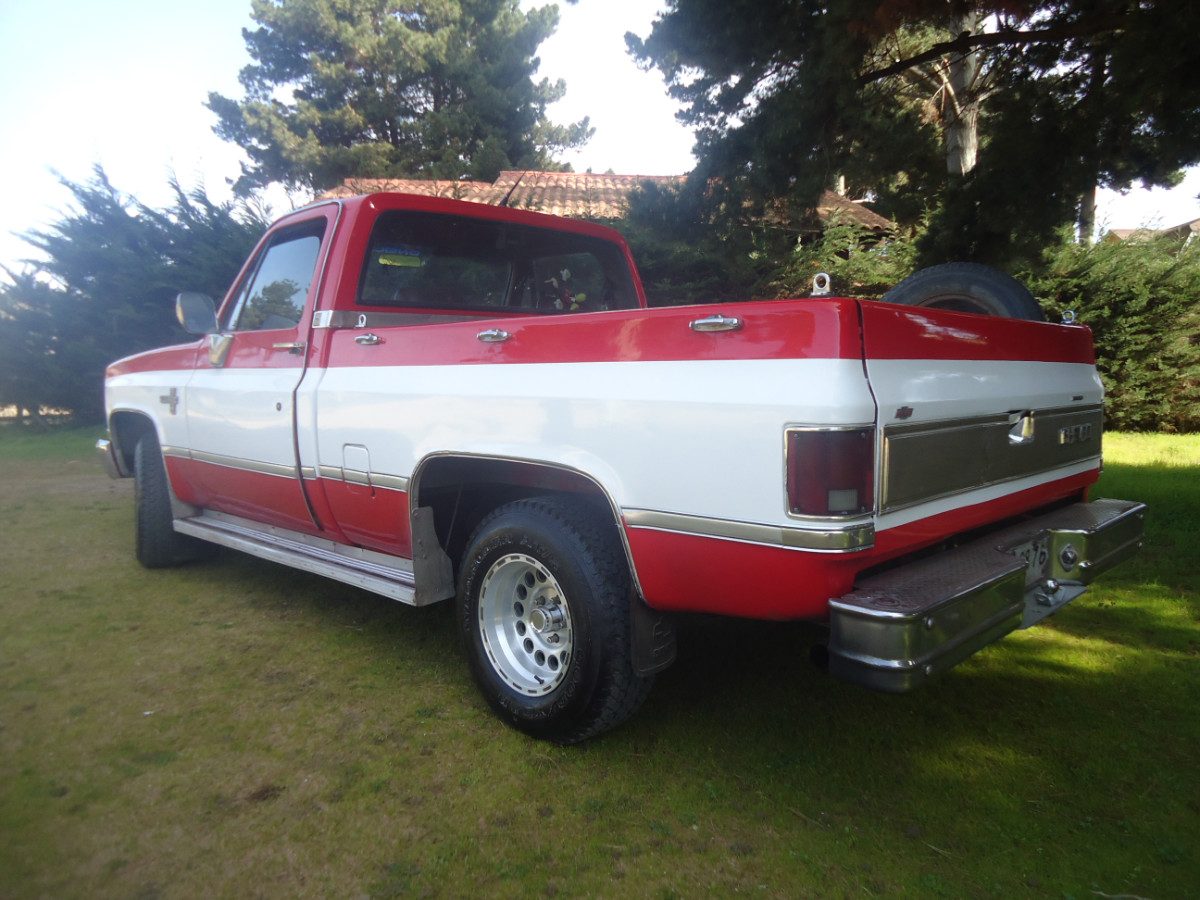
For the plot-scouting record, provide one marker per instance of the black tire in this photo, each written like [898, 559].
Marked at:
[582, 591]
[157, 543]
[967, 287]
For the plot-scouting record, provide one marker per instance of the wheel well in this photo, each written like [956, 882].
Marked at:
[461, 490]
[125, 429]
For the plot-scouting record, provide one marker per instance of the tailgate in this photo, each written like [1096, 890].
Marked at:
[973, 408]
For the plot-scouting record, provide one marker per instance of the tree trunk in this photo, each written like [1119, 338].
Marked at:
[1090, 164]
[1087, 216]
[962, 105]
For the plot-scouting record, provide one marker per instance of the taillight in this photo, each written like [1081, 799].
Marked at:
[831, 473]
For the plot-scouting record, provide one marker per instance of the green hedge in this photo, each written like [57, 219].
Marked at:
[1141, 298]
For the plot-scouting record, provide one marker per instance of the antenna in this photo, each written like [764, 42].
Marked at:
[504, 202]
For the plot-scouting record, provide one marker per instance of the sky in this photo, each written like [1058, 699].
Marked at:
[122, 83]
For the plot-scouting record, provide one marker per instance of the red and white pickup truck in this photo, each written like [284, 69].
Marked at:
[432, 399]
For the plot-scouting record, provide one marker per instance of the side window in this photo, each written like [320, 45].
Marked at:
[274, 294]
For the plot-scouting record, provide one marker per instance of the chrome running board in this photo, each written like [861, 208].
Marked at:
[379, 573]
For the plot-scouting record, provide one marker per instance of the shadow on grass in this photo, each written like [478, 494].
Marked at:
[1065, 752]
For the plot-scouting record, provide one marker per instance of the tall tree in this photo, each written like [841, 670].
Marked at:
[104, 290]
[377, 88]
[1051, 97]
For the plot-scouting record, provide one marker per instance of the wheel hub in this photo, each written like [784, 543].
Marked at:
[547, 619]
[525, 624]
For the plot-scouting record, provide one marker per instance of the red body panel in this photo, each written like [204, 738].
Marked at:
[375, 518]
[690, 573]
[181, 357]
[795, 329]
[904, 332]
[252, 495]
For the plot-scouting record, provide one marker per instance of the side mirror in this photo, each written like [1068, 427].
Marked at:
[196, 313]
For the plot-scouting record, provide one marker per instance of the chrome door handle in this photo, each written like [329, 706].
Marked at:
[493, 336]
[291, 346]
[716, 323]
[368, 339]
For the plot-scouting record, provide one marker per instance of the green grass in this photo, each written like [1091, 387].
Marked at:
[237, 729]
[20, 442]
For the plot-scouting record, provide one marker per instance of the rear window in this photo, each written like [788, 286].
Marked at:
[433, 261]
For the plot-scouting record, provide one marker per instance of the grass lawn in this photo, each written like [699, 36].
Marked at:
[235, 728]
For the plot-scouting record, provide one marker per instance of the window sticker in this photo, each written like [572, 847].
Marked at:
[400, 257]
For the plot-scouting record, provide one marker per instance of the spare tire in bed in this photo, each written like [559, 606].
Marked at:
[967, 287]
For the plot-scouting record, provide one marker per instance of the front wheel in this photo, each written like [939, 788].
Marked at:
[543, 609]
[157, 542]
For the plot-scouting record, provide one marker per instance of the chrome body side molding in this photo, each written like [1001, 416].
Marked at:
[833, 539]
[248, 465]
[347, 318]
[354, 476]
[379, 573]
[337, 473]
[231, 462]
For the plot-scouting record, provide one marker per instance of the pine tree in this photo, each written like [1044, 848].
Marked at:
[393, 88]
[1052, 98]
[106, 288]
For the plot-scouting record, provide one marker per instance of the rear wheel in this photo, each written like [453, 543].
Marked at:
[967, 287]
[543, 609]
[158, 545]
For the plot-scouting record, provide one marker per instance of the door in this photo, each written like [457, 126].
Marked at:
[241, 399]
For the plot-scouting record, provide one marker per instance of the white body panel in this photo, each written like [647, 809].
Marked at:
[244, 414]
[677, 437]
[149, 393]
[956, 389]
[941, 390]
[681, 437]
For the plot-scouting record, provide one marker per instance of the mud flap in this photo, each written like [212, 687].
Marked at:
[432, 569]
[652, 638]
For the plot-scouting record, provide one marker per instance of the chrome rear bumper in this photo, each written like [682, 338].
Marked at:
[897, 629]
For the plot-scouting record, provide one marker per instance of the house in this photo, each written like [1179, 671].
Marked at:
[583, 195]
[1185, 232]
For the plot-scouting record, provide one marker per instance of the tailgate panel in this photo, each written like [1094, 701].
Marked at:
[927, 460]
[968, 402]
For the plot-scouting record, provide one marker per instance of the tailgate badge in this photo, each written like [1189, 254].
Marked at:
[1075, 434]
[904, 412]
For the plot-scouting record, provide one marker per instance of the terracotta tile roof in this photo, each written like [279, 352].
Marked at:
[1184, 230]
[453, 190]
[853, 210]
[572, 194]
[581, 194]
